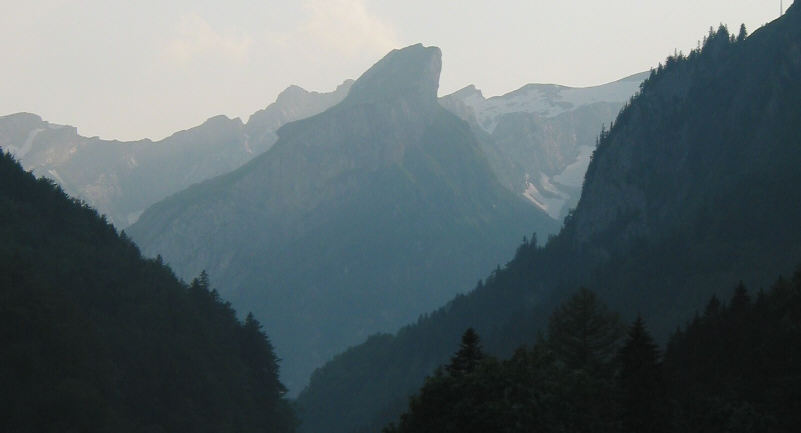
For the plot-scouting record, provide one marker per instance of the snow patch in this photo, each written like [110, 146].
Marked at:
[20, 152]
[248, 149]
[56, 177]
[547, 197]
[546, 100]
[573, 174]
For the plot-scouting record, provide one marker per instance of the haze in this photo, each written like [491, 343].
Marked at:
[130, 70]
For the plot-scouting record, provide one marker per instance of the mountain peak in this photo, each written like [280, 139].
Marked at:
[291, 93]
[467, 92]
[406, 73]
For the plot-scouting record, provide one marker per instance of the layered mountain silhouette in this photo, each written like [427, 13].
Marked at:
[121, 179]
[355, 221]
[695, 187]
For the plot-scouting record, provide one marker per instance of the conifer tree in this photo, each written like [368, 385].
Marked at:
[712, 307]
[583, 333]
[743, 33]
[468, 356]
[740, 301]
[642, 392]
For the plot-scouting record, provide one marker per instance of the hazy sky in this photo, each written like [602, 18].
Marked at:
[134, 69]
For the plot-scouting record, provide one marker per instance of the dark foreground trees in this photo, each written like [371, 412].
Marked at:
[95, 338]
[736, 368]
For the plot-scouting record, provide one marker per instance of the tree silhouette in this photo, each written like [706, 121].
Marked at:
[642, 392]
[468, 356]
[583, 333]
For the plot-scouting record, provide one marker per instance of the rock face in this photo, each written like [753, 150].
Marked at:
[292, 104]
[354, 222]
[121, 179]
[539, 138]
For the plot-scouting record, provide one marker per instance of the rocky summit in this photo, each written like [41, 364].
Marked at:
[354, 222]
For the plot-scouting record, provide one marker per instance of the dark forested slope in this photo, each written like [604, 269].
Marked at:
[694, 187]
[736, 368]
[94, 338]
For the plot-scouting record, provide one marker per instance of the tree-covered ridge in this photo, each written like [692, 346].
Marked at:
[95, 338]
[695, 185]
[736, 368]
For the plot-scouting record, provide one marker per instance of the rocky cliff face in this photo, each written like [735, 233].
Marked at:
[539, 138]
[711, 132]
[355, 221]
[122, 179]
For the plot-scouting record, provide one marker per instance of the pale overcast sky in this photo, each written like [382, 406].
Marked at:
[135, 69]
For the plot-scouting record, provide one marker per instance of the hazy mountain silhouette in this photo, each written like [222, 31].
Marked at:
[355, 221]
[121, 179]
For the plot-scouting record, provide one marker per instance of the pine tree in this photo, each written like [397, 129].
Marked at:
[468, 356]
[583, 336]
[740, 301]
[712, 307]
[583, 333]
[743, 33]
[258, 351]
[642, 391]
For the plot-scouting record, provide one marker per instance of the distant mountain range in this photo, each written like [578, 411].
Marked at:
[121, 179]
[354, 221]
[539, 138]
[696, 187]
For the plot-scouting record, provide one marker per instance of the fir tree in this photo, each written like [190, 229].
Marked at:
[642, 392]
[742, 34]
[583, 333]
[469, 355]
[740, 301]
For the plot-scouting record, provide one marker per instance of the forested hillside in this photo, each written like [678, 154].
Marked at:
[694, 187]
[97, 339]
[736, 368]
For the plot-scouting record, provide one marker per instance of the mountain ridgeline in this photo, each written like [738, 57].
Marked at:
[96, 338]
[694, 187]
[121, 179]
[539, 138]
[354, 222]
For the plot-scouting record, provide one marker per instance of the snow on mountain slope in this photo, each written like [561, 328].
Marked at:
[539, 138]
[546, 100]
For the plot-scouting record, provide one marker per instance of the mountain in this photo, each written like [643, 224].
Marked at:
[292, 104]
[96, 338]
[122, 179]
[539, 138]
[694, 187]
[353, 222]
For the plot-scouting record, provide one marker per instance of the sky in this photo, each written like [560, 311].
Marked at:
[135, 69]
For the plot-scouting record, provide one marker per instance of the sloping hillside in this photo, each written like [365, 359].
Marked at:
[95, 338]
